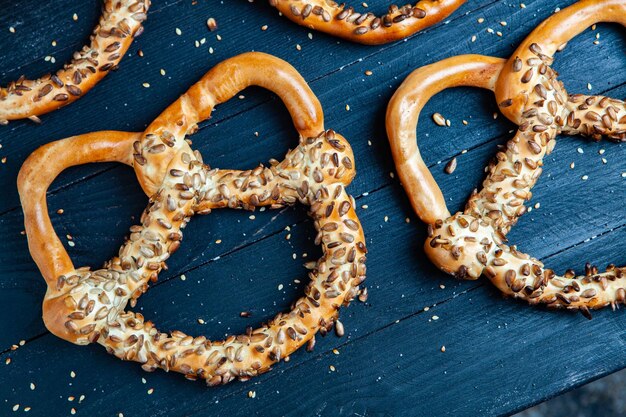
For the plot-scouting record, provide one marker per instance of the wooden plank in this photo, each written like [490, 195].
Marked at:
[560, 230]
[487, 339]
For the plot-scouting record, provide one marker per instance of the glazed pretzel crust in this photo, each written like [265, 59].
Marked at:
[119, 24]
[343, 21]
[85, 306]
[473, 243]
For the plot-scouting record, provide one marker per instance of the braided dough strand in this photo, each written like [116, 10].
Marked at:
[86, 306]
[343, 21]
[119, 24]
[473, 243]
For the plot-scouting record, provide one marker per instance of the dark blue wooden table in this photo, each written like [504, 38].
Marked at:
[500, 355]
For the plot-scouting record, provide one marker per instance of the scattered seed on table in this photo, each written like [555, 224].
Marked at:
[451, 166]
[211, 24]
[439, 119]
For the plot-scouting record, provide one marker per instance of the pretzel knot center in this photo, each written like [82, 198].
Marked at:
[473, 243]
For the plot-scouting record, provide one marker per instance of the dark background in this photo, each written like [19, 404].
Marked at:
[501, 355]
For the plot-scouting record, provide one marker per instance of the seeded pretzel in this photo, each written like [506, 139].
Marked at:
[119, 24]
[472, 243]
[85, 306]
[367, 28]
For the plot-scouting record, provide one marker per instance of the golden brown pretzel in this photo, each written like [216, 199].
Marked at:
[472, 243]
[343, 21]
[119, 24]
[84, 306]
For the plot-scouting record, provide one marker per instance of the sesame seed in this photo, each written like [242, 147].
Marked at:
[11, 29]
[585, 177]
[74, 17]
[179, 32]
[443, 348]
[481, 20]
[150, 391]
[368, 73]
[162, 71]
[146, 85]
[332, 368]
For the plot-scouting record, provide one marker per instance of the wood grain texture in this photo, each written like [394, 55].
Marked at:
[501, 355]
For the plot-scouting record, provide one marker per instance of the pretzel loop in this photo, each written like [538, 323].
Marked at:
[119, 24]
[164, 137]
[85, 306]
[339, 19]
[473, 243]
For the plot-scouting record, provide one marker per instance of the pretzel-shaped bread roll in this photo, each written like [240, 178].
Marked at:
[85, 306]
[472, 243]
[343, 21]
[119, 24]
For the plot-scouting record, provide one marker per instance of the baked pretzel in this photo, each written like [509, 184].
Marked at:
[119, 24]
[367, 28]
[473, 243]
[85, 306]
